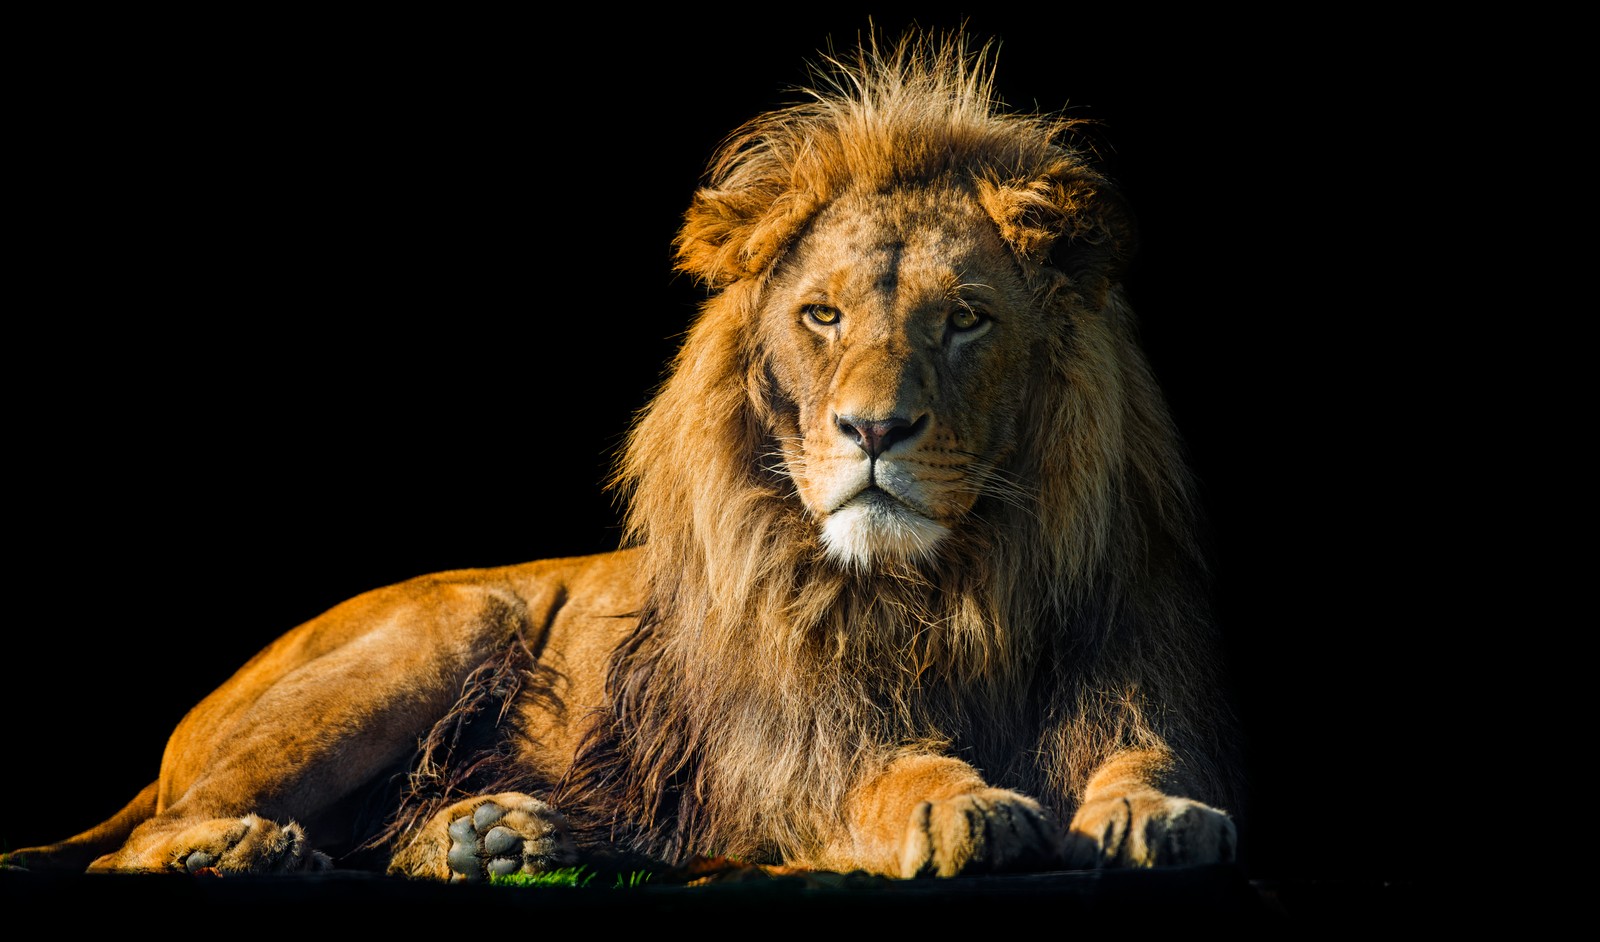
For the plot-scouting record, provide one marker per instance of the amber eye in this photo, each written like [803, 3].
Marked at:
[822, 314]
[965, 318]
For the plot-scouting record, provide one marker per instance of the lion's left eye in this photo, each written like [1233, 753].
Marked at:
[822, 314]
[965, 318]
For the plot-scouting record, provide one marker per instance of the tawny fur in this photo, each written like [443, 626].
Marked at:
[1043, 664]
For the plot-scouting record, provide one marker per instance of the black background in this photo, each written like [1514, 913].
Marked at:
[304, 308]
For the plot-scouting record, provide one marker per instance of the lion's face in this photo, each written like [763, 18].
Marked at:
[900, 333]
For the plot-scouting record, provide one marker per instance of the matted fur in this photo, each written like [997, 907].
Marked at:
[1025, 677]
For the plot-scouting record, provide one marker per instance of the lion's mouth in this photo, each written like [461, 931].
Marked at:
[877, 524]
[875, 499]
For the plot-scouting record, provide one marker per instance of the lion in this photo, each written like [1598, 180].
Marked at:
[911, 581]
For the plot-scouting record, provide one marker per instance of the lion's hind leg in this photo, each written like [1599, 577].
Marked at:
[248, 844]
[476, 838]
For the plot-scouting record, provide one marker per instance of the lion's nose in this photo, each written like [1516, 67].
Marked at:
[876, 436]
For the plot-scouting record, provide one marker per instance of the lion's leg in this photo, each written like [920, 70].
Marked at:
[928, 815]
[255, 776]
[500, 834]
[247, 844]
[1126, 820]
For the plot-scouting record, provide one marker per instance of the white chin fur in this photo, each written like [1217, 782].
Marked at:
[864, 530]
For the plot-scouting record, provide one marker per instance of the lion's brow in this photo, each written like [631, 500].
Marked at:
[958, 291]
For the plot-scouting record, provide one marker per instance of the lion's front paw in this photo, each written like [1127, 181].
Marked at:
[495, 834]
[1149, 829]
[251, 844]
[986, 831]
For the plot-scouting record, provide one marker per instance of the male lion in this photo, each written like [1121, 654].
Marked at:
[910, 586]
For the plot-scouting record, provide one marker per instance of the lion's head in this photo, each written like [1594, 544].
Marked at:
[906, 464]
[918, 332]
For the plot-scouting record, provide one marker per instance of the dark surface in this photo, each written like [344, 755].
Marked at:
[1219, 897]
[317, 306]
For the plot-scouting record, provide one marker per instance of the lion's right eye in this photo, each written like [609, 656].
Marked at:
[965, 318]
[821, 314]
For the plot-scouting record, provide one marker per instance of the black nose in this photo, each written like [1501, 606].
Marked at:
[876, 436]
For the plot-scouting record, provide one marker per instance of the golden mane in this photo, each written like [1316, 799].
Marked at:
[763, 668]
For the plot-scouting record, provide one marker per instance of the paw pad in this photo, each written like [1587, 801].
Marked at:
[500, 839]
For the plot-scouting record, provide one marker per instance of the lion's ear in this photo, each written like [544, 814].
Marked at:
[1068, 217]
[735, 233]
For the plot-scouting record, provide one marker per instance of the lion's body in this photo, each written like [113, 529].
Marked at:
[912, 584]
